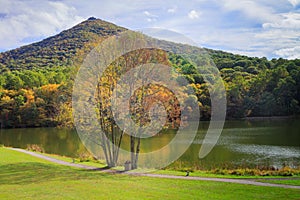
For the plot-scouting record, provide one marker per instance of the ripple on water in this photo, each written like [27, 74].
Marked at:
[267, 151]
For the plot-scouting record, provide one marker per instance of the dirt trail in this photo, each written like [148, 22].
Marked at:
[225, 180]
[56, 160]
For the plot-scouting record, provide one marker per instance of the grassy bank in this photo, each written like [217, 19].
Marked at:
[25, 177]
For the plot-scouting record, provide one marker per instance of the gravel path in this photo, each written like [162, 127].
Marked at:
[57, 161]
[226, 180]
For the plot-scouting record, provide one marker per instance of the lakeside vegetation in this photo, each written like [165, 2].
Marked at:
[27, 177]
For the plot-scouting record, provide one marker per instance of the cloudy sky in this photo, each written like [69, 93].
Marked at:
[269, 28]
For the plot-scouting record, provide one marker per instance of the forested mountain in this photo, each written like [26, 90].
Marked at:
[36, 80]
[64, 49]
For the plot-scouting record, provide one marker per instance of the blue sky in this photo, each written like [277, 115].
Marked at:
[269, 28]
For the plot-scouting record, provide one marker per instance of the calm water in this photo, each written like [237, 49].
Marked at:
[242, 143]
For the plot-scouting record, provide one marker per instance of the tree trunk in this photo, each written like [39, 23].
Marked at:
[132, 150]
[137, 152]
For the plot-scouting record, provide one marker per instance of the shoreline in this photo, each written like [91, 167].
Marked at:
[227, 119]
[270, 118]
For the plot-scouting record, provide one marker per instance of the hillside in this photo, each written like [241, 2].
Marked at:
[69, 47]
[63, 49]
[36, 80]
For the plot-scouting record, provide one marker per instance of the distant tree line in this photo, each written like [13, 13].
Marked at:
[254, 86]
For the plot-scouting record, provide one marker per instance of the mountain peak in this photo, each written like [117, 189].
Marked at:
[64, 49]
[92, 18]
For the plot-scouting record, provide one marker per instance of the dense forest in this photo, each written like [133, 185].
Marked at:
[36, 80]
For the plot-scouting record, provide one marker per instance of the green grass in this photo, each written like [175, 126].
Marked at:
[25, 177]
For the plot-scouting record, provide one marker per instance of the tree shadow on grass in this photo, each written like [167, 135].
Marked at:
[34, 172]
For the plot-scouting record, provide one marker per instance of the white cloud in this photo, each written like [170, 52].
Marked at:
[251, 9]
[168, 35]
[286, 21]
[150, 17]
[193, 14]
[294, 2]
[147, 13]
[172, 10]
[33, 19]
[289, 53]
[282, 36]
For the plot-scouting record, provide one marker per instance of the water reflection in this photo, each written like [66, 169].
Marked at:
[244, 143]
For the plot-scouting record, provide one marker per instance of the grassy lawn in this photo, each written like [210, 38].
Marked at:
[25, 177]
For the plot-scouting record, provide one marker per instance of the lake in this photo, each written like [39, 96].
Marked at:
[245, 143]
